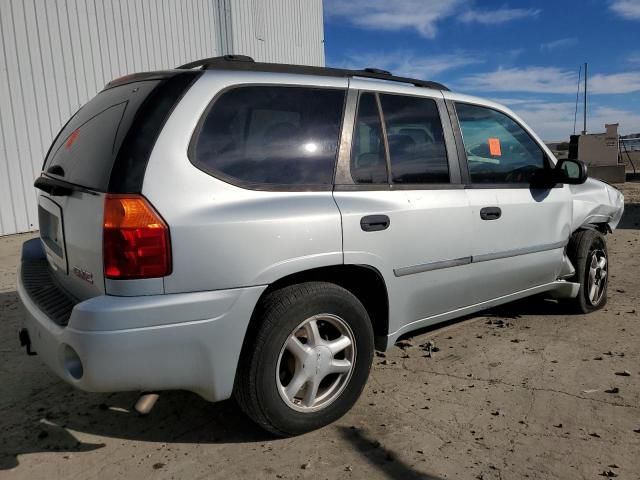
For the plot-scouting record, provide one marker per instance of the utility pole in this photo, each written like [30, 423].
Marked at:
[584, 130]
[575, 112]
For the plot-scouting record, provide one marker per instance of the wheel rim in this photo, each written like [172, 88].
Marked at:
[315, 363]
[597, 277]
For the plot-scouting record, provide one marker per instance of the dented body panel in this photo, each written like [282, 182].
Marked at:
[596, 202]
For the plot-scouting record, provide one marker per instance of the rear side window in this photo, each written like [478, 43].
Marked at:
[417, 150]
[498, 149]
[273, 135]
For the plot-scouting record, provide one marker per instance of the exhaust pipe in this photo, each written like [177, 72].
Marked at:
[146, 402]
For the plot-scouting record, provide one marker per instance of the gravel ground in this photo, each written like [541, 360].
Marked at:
[516, 392]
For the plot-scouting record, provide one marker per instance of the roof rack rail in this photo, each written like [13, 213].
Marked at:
[206, 62]
[379, 71]
[245, 63]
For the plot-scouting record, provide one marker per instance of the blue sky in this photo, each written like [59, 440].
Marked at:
[522, 54]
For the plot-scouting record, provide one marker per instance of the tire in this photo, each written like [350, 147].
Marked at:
[271, 360]
[586, 248]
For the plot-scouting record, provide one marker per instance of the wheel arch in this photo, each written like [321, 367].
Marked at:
[365, 282]
[602, 227]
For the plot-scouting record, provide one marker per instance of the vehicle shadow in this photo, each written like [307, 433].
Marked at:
[535, 305]
[384, 459]
[631, 218]
[539, 304]
[45, 426]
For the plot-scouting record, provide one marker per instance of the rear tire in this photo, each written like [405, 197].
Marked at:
[307, 358]
[587, 251]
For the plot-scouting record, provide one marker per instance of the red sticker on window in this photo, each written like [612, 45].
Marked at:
[72, 138]
[494, 147]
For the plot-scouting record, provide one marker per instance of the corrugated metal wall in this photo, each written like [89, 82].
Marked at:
[56, 54]
[289, 30]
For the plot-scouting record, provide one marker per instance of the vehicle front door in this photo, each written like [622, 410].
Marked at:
[519, 229]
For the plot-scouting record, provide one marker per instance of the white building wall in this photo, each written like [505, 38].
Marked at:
[289, 30]
[57, 54]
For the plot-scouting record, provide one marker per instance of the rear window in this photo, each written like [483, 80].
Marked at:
[272, 135]
[105, 135]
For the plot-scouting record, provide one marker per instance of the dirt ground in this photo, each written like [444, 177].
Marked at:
[517, 392]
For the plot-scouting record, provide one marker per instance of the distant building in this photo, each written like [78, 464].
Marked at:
[600, 151]
[559, 149]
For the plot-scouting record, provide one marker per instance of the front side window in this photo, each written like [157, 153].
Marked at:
[498, 149]
[274, 135]
[417, 150]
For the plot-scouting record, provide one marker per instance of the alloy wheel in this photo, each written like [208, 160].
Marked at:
[597, 277]
[316, 363]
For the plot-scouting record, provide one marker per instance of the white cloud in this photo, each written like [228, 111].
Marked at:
[418, 15]
[408, 63]
[501, 15]
[629, 9]
[550, 120]
[560, 43]
[393, 16]
[554, 120]
[614, 83]
[634, 58]
[549, 80]
[529, 79]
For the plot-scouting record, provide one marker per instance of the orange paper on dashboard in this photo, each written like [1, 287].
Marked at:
[494, 147]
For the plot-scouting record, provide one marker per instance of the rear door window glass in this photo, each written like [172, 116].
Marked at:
[417, 150]
[498, 149]
[274, 135]
[368, 159]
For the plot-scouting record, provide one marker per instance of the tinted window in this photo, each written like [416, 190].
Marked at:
[416, 142]
[272, 135]
[368, 160]
[105, 146]
[87, 146]
[498, 149]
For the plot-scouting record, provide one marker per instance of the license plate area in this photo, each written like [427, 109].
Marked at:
[52, 233]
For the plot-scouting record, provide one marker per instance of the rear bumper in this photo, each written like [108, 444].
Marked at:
[188, 341]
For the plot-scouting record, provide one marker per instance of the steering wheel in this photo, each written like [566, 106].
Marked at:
[521, 174]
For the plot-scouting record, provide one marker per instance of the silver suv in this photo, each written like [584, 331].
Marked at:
[238, 228]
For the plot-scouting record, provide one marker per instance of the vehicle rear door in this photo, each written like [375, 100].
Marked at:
[404, 209]
[519, 231]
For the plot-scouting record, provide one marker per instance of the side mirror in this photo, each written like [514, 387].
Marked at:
[573, 172]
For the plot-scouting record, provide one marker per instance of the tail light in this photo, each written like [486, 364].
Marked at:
[135, 239]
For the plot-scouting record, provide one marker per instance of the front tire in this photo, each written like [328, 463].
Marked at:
[588, 251]
[307, 359]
